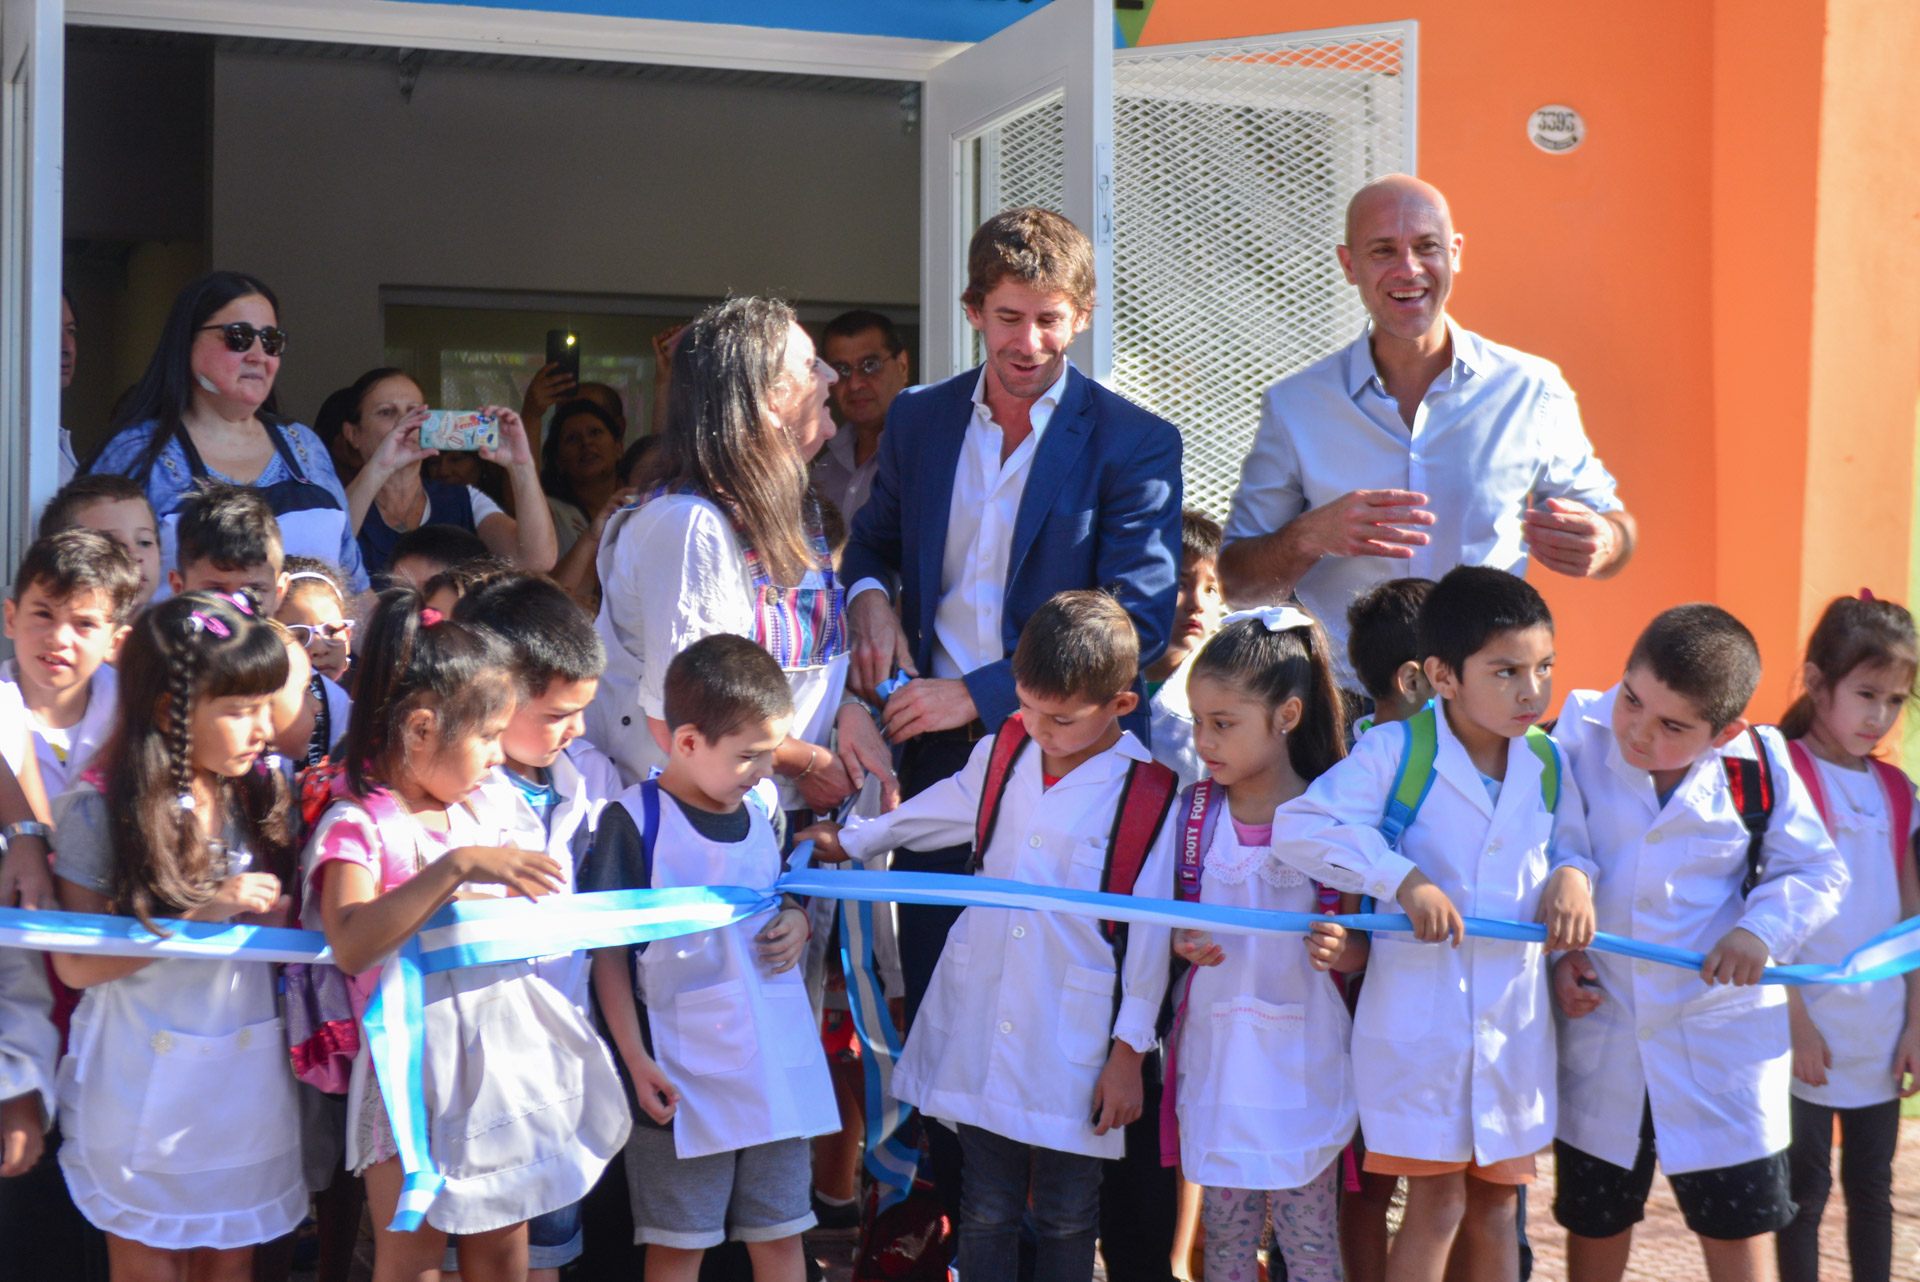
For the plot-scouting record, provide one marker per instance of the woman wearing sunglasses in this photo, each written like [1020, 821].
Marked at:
[205, 409]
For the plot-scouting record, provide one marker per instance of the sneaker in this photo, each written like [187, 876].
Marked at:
[836, 1218]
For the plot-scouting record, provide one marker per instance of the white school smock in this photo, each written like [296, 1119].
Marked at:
[61, 772]
[1713, 1061]
[1264, 1084]
[1860, 1022]
[1170, 728]
[177, 1102]
[1453, 1049]
[739, 1044]
[585, 781]
[1019, 1017]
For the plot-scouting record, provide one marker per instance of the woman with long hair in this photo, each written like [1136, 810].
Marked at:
[205, 409]
[726, 537]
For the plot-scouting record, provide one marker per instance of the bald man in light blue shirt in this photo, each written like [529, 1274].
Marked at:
[1418, 447]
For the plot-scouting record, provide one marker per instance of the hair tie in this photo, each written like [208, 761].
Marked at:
[1276, 618]
[200, 621]
[1866, 594]
[429, 616]
[186, 801]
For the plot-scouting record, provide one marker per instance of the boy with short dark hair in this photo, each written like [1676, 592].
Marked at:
[729, 1074]
[1453, 1049]
[1197, 612]
[551, 790]
[1707, 841]
[116, 506]
[1383, 645]
[1034, 1028]
[71, 599]
[228, 541]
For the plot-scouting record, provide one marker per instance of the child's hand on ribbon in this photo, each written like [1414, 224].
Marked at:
[239, 895]
[1325, 943]
[1197, 947]
[1566, 910]
[1576, 997]
[523, 872]
[784, 939]
[1739, 958]
[825, 837]
[1433, 915]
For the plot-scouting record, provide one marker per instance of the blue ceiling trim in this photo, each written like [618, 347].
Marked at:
[960, 20]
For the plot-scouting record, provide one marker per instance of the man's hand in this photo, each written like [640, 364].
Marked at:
[1566, 909]
[1197, 947]
[1571, 538]
[21, 1138]
[1739, 958]
[657, 1097]
[784, 940]
[1575, 997]
[1365, 523]
[864, 752]
[1811, 1056]
[1117, 1095]
[1433, 915]
[878, 643]
[926, 704]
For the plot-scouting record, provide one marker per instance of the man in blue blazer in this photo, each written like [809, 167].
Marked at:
[996, 490]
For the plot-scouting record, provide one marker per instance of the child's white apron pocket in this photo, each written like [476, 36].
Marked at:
[182, 1128]
[1260, 1053]
[712, 1036]
[1731, 1042]
[1086, 1015]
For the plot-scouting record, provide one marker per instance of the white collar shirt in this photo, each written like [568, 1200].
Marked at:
[1497, 428]
[1020, 1016]
[1713, 1062]
[60, 772]
[980, 520]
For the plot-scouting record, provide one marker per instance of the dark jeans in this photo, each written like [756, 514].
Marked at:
[1139, 1198]
[1867, 1139]
[922, 930]
[1002, 1175]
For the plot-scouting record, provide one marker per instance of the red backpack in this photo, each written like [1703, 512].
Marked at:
[1145, 799]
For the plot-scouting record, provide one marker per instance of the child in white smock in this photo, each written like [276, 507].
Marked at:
[1264, 1086]
[176, 1094]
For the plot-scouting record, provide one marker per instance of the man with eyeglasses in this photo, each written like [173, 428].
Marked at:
[865, 350]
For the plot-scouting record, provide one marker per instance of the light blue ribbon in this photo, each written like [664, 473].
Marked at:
[483, 932]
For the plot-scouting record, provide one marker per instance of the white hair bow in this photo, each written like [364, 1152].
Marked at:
[1276, 618]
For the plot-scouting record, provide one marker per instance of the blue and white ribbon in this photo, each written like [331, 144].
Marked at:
[397, 1044]
[890, 1160]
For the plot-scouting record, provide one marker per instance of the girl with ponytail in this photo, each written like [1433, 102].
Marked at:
[522, 1101]
[182, 1139]
[1262, 1087]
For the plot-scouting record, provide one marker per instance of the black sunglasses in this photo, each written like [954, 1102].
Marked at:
[240, 336]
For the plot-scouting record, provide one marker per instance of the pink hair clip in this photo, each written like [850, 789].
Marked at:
[430, 616]
[200, 621]
[243, 603]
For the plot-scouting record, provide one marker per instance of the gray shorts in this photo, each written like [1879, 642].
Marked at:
[758, 1194]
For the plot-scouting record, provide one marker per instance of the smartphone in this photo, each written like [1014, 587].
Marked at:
[563, 349]
[459, 430]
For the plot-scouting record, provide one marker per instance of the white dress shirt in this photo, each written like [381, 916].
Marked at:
[65, 753]
[1020, 1016]
[980, 520]
[1714, 1062]
[1496, 427]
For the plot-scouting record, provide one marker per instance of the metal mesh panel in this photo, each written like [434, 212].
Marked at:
[1020, 161]
[1233, 164]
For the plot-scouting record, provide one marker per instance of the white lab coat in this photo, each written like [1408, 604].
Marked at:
[1861, 1023]
[586, 780]
[1264, 1084]
[1453, 1049]
[739, 1044]
[1170, 728]
[1019, 1018]
[1715, 1062]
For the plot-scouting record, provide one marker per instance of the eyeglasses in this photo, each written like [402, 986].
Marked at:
[865, 367]
[240, 336]
[332, 633]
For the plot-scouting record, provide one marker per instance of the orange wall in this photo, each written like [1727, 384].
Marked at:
[1669, 267]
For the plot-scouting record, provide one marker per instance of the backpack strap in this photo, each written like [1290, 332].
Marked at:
[1542, 745]
[1415, 780]
[1803, 765]
[1145, 799]
[1899, 790]
[1196, 838]
[1750, 782]
[1008, 741]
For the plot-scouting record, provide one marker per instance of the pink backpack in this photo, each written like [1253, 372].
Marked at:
[1893, 782]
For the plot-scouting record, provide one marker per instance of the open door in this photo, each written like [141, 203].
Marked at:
[32, 61]
[1024, 117]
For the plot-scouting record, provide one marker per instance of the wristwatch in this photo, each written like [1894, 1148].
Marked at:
[28, 828]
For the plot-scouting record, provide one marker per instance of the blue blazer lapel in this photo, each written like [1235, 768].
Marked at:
[945, 437]
[1060, 449]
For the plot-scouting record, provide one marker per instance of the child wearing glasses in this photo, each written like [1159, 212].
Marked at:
[314, 608]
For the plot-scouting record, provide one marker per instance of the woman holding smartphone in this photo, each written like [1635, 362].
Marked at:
[390, 497]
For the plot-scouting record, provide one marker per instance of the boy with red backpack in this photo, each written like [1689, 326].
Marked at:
[1031, 1038]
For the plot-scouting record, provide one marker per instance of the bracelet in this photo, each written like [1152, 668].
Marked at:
[812, 761]
[28, 828]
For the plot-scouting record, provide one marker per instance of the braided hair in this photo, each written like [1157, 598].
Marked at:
[186, 650]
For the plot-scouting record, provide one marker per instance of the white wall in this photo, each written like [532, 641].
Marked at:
[328, 186]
